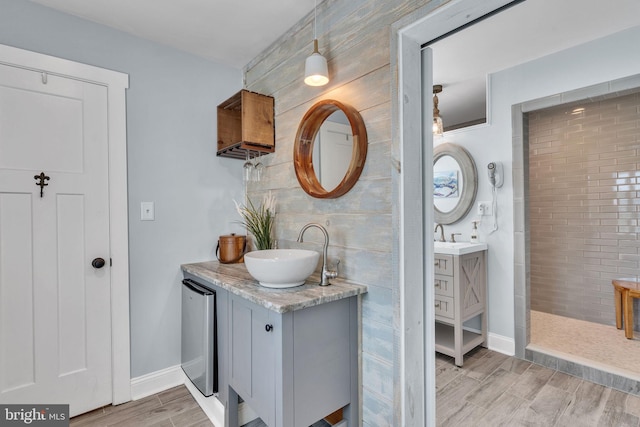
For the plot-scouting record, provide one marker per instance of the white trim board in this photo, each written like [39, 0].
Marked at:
[62, 67]
[156, 382]
[211, 406]
[495, 342]
[164, 379]
[433, 20]
[501, 344]
[116, 84]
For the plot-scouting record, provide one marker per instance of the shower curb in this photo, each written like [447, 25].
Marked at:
[607, 376]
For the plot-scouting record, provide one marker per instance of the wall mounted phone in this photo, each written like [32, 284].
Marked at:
[496, 174]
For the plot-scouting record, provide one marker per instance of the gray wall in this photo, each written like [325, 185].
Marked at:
[171, 133]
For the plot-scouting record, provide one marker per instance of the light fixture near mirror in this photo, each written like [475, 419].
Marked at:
[467, 183]
[303, 149]
[316, 71]
[438, 127]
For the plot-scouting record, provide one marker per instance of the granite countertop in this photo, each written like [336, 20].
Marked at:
[236, 279]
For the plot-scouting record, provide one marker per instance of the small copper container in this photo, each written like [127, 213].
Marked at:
[231, 248]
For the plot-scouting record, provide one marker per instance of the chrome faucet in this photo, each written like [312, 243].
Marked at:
[442, 239]
[326, 274]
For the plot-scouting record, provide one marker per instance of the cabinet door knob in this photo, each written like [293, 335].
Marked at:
[268, 328]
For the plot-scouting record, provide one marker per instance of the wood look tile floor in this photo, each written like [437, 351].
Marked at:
[492, 389]
[171, 408]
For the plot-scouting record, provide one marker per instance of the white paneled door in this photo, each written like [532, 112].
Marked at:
[55, 326]
[336, 146]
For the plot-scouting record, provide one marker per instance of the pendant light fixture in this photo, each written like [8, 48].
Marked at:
[316, 72]
[438, 128]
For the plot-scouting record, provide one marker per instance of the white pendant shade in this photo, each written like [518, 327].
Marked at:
[316, 71]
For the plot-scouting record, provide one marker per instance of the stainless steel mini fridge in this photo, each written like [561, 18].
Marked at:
[199, 336]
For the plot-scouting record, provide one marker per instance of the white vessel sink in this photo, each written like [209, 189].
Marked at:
[457, 248]
[281, 268]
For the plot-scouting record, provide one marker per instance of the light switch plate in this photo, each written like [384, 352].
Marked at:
[147, 211]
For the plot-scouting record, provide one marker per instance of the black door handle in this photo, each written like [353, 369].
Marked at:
[98, 263]
[268, 328]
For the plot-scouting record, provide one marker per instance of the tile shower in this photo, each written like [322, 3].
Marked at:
[574, 145]
[584, 205]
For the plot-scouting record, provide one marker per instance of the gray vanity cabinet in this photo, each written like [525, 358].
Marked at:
[460, 294]
[293, 368]
[290, 354]
[254, 335]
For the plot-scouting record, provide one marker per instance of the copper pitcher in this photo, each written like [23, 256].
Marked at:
[231, 248]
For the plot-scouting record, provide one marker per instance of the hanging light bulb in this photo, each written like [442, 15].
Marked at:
[316, 71]
[438, 127]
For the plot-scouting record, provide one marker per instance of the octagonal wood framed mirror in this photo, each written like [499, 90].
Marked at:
[330, 149]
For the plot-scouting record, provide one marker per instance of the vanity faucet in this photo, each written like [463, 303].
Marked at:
[326, 274]
[442, 239]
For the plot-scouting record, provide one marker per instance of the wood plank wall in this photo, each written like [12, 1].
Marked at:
[355, 37]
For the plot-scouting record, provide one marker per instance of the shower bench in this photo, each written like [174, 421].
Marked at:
[624, 291]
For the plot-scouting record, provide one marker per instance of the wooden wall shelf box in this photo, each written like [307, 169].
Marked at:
[246, 124]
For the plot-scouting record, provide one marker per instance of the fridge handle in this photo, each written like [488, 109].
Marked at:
[196, 287]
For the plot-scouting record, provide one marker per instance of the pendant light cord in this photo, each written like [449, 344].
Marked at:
[315, 24]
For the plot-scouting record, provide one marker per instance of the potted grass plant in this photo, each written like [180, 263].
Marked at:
[259, 220]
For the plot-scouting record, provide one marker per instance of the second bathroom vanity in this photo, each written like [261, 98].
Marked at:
[291, 354]
[460, 294]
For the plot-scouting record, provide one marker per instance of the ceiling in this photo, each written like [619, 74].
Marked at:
[233, 32]
[529, 30]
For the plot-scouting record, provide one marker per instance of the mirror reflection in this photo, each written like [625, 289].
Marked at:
[448, 183]
[455, 183]
[332, 150]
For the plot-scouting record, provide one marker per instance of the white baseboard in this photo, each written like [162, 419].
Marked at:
[155, 382]
[501, 344]
[495, 342]
[164, 379]
[211, 406]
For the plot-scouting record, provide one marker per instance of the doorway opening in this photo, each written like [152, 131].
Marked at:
[510, 306]
[579, 187]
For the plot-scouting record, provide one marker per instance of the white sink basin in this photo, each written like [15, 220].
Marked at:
[457, 248]
[281, 268]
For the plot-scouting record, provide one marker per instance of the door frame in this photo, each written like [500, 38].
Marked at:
[412, 182]
[116, 83]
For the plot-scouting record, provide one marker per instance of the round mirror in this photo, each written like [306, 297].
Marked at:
[455, 183]
[330, 149]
